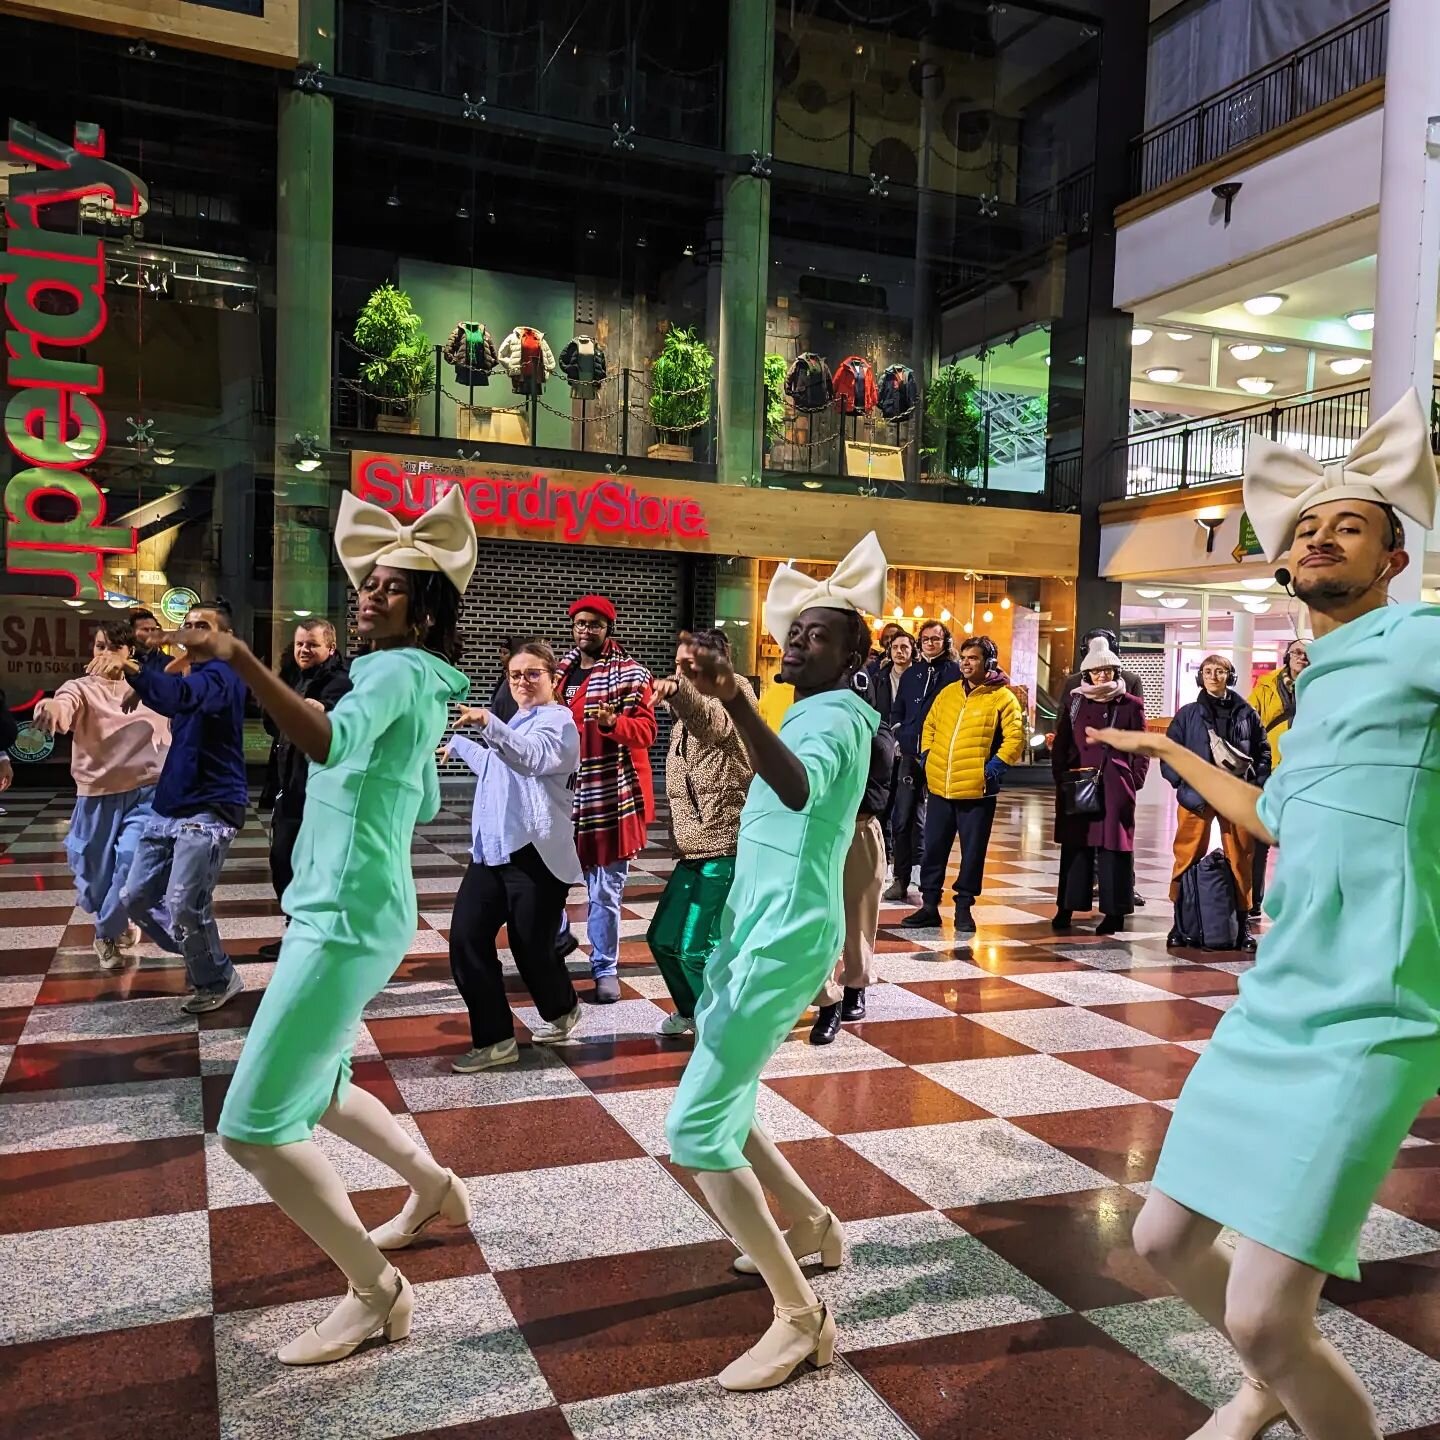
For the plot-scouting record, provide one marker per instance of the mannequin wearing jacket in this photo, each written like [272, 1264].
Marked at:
[526, 357]
[582, 362]
[471, 350]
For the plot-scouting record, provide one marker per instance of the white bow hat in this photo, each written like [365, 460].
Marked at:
[1390, 464]
[857, 584]
[1100, 657]
[442, 539]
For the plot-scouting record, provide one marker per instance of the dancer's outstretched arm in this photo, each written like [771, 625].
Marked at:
[1234, 798]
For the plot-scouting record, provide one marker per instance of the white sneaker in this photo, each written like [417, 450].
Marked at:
[108, 953]
[131, 938]
[486, 1057]
[676, 1024]
[557, 1032]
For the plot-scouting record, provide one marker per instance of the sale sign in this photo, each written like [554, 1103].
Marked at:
[42, 645]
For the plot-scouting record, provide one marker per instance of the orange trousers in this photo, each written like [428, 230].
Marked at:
[1192, 839]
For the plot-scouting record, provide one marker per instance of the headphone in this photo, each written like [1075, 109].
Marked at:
[1285, 654]
[987, 649]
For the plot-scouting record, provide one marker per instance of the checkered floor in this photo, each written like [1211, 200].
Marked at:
[986, 1135]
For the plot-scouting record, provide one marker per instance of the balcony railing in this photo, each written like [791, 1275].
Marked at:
[1324, 69]
[1212, 452]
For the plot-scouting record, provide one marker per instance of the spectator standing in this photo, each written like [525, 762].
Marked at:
[609, 694]
[502, 696]
[707, 777]
[1133, 684]
[1104, 842]
[320, 678]
[1273, 700]
[973, 733]
[1224, 731]
[885, 681]
[923, 681]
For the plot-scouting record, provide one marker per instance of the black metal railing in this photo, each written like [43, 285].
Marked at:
[1212, 451]
[1063, 475]
[1324, 69]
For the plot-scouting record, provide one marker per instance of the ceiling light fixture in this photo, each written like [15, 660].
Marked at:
[1257, 582]
[1181, 335]
[462, 211]
[1004, 602]
[1174, 602]
[988, 616]
[1209, 524]
[1347, 365]
[1264, 304]
[1163, 374]
[1276, 349]
[918, 611]
[1258, 607]
[1255, 384]
[1362, 320]
[1140, 335]
[393, 198]
[968, 627]
[1147, 594]
[1244, 351]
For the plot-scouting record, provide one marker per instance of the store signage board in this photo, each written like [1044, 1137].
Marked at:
[1248, 546]
[55, 301]
[608, 507]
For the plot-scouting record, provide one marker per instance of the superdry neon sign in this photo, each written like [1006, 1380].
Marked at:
[607, 506]
[55, 300]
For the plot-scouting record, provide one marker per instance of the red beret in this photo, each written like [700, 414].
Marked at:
[598, 603]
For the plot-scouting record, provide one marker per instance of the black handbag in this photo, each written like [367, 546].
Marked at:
[1082, 792]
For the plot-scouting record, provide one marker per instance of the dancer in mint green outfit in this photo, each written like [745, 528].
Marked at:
[352, 910]
[1293, 1116]
[781, 930]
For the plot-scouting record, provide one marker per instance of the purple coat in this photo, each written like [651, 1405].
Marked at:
[1123, 774]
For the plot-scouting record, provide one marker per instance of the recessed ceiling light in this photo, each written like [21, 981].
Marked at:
[1140, 335]
[1244, 351]
[1148, 594]
[1163, 374]
[1179, 335]
[1174, 602]
[1276, 349]
[1255, 384]
[1361, 319]
[1257, 582]
[1264, 304]
[1258, 607]
[1347, 365]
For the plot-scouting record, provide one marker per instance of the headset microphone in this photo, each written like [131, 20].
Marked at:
[1283, 579]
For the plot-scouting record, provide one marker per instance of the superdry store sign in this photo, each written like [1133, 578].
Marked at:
[54, 283]
[534, 505]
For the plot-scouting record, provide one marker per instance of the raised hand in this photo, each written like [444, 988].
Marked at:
[1131, 742]
[476, 715]
[664, 688]
[706, 669]
[198, 644]
[111, 665]
[605, 716]
[44, 717]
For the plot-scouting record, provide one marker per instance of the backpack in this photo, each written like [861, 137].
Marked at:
[1207, 909]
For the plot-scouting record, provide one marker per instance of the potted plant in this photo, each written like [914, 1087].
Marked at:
[679, 394]
[400, 363]
[774, 376]
[954, 427]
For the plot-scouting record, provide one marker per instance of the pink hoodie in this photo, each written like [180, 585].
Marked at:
[112, 752]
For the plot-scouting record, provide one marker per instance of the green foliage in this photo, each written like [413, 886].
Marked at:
[954, 427]
[680, 385]
[775, 368]
[401, 366]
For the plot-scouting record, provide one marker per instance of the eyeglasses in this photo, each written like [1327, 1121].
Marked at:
[596, 625]
[530, 677]
[932, 639]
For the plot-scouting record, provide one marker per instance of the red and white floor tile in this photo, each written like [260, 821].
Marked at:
[986, 1135]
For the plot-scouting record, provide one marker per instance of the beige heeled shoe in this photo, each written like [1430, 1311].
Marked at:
[822, 1236]
[403, 1230]
[390, 1311]
[795, 1337]
[1213, 1429]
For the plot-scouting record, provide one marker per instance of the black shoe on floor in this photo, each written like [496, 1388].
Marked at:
[567, 944]
[1256, 912]
[897, 892]
[607, 989]
[1138, 900]
[1061, 920]
[927, 917]
[852, 1006]
[827, 1025]
[1110, 925]
[270, 950]
[964, 920]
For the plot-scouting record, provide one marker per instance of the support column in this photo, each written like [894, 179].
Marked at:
[305, 164]
[1242, 648]
[1408, 266]
[744, 285]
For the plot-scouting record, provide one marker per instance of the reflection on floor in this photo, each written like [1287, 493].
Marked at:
[986, 1135]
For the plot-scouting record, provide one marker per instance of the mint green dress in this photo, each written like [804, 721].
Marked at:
[782, 929]
[1293, 1115]
[352, 902]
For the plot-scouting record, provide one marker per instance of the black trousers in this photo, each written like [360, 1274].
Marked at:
[528, 900]
[1262, 864]
[1078, 867]
[284, 827]
[971, 820]
[907, 816]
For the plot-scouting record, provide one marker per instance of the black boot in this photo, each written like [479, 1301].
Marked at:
[1061, 920]
[964, 919]
[1110, 925]
[897, 891]
[1138, 900]
[927, 917]
[852, 1007]
[827, 1025]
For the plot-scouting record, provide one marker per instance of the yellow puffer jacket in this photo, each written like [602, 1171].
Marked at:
[960, 735]
[1268, 701]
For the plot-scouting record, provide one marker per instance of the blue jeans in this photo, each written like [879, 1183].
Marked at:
[104, 834]
[604, 884]
[171, 889]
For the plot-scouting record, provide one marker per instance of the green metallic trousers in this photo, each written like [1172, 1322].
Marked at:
[686, 926]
